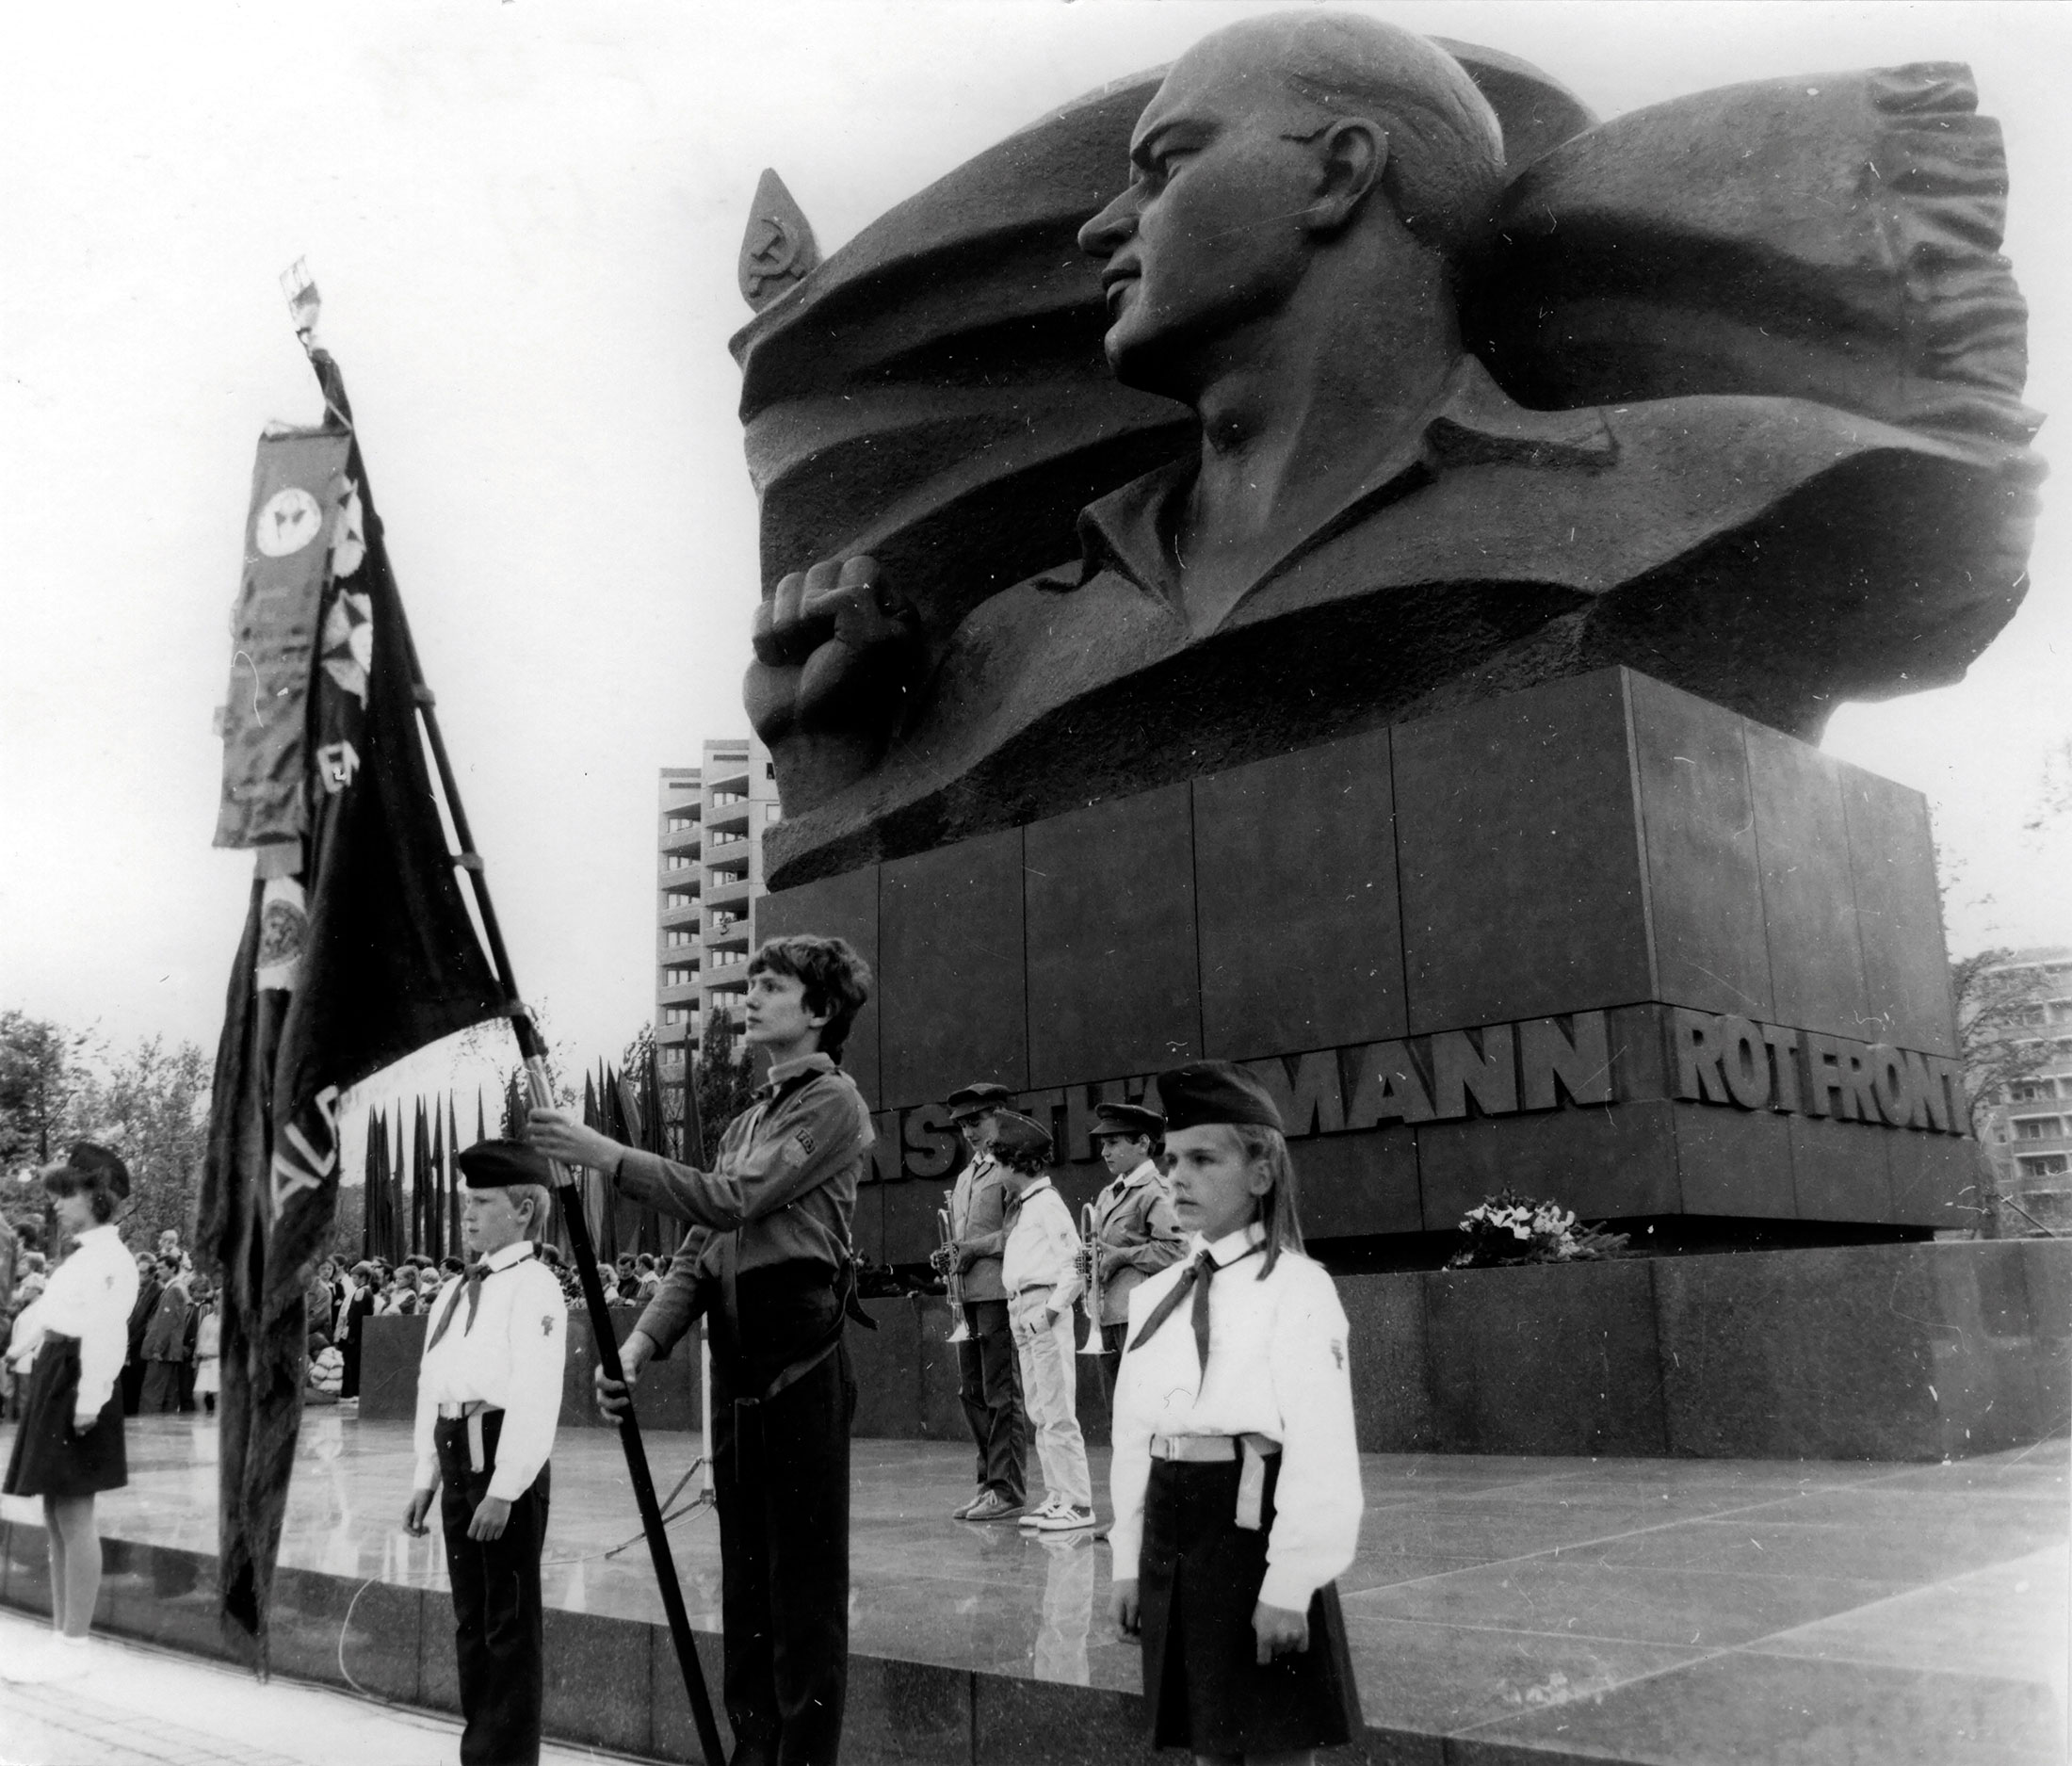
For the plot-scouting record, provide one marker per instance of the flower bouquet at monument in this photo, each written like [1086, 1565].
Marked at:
[1509, 1228]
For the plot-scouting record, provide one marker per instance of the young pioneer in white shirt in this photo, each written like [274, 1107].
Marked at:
[489, 1393]
[1236, 1474]
[69, 1447]
[1040, 1268]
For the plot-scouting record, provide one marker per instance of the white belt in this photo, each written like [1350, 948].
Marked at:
[472, 1410]
[1194, 1447]
[1254, 1449]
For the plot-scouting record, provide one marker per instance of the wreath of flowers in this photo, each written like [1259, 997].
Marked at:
[1510, 1228]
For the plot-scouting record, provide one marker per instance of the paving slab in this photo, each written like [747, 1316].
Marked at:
[1504, 1610]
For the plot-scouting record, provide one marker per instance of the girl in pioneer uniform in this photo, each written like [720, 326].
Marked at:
[1236, 1476]
[69, 1445]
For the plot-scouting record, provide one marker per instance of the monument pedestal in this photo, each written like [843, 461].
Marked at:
[1598, 941]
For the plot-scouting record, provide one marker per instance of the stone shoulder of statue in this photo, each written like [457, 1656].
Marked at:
[1365, 524]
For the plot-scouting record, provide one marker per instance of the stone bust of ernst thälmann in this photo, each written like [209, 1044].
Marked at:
[1369, 525]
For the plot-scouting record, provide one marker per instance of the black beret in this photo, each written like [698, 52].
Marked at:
[975, 1100]
[1215, 1091]
[498, 1164]
[1016, 1137]
[1129, 1120]
[101, 1165]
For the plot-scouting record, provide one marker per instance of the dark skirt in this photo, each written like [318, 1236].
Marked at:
[1198, 1582]
[49, 1460]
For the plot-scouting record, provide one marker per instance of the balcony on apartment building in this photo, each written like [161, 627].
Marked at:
[726, 931]
[726, 889]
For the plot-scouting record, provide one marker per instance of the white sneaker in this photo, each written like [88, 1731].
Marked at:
[1035, 1517]
[61, 1658]
[1062, 1518]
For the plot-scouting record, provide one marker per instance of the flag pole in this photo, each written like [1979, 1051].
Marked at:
[532, 1052]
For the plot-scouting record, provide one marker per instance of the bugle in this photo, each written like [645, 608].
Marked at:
[1090, 1238]
[952, 1277]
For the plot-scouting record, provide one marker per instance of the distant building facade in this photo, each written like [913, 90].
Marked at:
[2028, 1129]
[710, 855]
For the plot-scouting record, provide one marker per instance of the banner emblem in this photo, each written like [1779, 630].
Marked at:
[290, 520]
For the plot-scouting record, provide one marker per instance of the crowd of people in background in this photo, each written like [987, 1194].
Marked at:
[170, 1365]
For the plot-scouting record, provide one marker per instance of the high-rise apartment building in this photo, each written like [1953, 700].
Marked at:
[2028, 1130]
[709, 848]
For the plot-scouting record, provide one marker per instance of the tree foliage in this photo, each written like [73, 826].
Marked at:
[39, 1070]
[150, 1106]
[1993, 1013]
[725, 1080]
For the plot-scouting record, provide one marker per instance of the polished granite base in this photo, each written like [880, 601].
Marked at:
[1501, 1609]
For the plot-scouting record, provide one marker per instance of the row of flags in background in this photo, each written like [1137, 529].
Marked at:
[414, 1183]
[412, 1188]
[629, 1108]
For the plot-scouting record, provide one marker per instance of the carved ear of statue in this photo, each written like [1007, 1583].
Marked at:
[1351, 154]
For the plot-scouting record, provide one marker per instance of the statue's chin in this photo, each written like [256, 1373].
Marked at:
[1147, 364]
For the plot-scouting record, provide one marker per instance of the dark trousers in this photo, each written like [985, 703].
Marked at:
[161, 1389]
[1111, 1359]
[781, 1475]
[132, 1385]
[990, 1389]
[497, 1621]
[349, 1385]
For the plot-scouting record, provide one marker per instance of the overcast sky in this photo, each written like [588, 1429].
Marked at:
[524, 219]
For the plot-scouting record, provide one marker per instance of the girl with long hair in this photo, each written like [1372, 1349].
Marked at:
[1236, 1473]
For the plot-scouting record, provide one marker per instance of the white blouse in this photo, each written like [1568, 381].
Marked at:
[510, 1357]
[89, 1296]
[1277, 1367]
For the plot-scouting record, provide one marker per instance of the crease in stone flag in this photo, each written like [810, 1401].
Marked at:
[358, 944]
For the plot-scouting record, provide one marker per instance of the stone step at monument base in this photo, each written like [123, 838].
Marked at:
[1884, 1351]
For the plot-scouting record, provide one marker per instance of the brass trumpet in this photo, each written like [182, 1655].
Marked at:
[952, 1279]
[1090, 1239]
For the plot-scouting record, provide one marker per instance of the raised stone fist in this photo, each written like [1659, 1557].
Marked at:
[836, 653]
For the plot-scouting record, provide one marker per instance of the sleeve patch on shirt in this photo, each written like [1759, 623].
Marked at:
[1338, 1353]
[804, 1136]
[546, 1329]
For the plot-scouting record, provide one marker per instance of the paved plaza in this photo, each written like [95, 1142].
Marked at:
[1639, 1610]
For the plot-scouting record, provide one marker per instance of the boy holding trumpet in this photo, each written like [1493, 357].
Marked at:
[1133, 1231]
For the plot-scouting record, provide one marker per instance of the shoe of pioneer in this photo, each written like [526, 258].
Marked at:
[1035, 1516]
[993, 1506]
[1064, 1518]
[962, 1510]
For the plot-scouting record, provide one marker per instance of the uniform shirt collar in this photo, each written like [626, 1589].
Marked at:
[511, 1254]
[1472, 421]
[782, 1072]
[102, 1234]
[1029, 1189]
[1147, 1172]
[1230, 1245]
